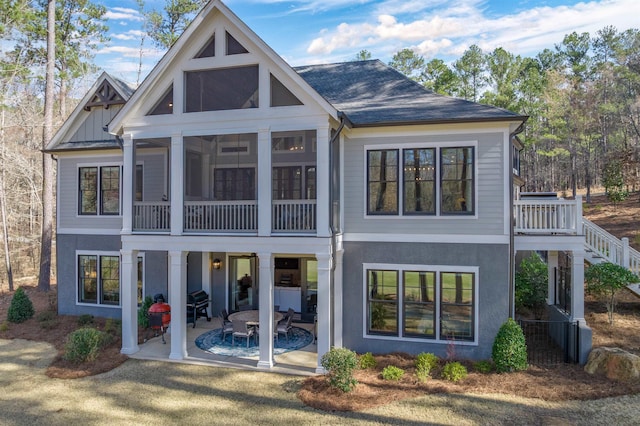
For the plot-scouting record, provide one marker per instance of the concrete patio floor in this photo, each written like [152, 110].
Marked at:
[299, 362]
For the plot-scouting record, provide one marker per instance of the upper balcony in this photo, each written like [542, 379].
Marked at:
[550, 216]
[220, 180]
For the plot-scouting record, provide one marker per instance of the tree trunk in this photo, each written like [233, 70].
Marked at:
[44, 279]
[3, 213]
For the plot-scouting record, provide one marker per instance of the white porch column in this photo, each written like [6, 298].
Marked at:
[176, 173]
[206, 272]
[323, 181]
[264, 183]
[178, 302]
[577, 285]
[128, 167]
[552, 266]
[324, 308]
[265, 261]
[337, 300]
[129, 301]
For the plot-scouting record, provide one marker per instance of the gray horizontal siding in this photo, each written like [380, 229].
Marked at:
[490, 195]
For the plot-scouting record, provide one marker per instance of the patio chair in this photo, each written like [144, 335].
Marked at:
[241, 329]
[290, 312]
[227, 326]
[285, 328]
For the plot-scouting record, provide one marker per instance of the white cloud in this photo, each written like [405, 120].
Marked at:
[131, 52]
[123, 13]
[129, 35]
[450, 28]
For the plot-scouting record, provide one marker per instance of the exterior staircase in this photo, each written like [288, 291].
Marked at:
[601, 246]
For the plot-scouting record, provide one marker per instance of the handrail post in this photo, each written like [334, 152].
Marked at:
[579, 230]
[625, 252]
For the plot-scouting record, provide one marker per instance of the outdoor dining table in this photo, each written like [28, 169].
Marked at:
[252, 317]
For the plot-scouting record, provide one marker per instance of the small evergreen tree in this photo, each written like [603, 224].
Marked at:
[604, 280]
[509, 350]
[21, 308]
[531, 285]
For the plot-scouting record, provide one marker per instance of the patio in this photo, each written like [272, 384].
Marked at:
[298, 362]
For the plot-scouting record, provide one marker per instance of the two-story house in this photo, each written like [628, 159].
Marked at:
[344, 191]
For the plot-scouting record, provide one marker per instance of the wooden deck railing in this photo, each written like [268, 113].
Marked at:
[548, 216]
[221, 216]
[151, 216]
[293, 215]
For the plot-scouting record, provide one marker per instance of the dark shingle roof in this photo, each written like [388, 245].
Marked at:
[371, 93]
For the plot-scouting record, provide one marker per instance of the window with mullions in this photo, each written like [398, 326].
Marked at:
[221, 89]
[457, 180]
[436, 304]
[234, 184]
[382, 182]
[99, 279]
[99, 190]
[419, 168]
[456, 308]
[419, 297]
[382, 302]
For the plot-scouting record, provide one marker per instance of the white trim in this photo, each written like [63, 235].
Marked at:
[426, 130]
[426, 238]
[88, 231]
[400, 268]
[437, 146]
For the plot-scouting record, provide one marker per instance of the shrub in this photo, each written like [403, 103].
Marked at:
[340, 364]
[367, 361]
[510, 348]
[143, 319]
[84, 344]
[483, 366]
[21, 308]
[425, 362]
[391, 372]
[113, 326]
[47, 319]
[454, 371]
[84, 320]
[4, 326]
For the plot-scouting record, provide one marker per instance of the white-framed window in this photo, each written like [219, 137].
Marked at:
[98, 278]
[416, 302]
[420, 180]
[99, 190]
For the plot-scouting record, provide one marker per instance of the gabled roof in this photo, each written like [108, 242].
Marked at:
[371, 93]
[156, 73]
[106, 91]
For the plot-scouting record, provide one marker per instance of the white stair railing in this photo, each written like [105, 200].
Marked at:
[609, 247]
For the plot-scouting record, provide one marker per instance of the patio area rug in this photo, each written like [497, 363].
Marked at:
[212, 342]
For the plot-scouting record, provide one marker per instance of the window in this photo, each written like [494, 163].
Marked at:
[288, 183]
[421, 191]
[419, 166]
[209, 49]
[234, 184]
[165, 105]
[99, 279]
[435, 303]
[457, 180]
[221, 89]
[382, 178]
[139, 182]
[234, 47]
[382, 303]
[280, 95]
[99, 190]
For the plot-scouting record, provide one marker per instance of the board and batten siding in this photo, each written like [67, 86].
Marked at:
[92, 128]
[489, 218]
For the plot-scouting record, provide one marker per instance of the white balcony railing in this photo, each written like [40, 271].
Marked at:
[221, 216]
[548, 216]
[151, 216]
[293, 215]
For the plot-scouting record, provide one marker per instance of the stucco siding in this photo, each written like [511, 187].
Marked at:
[492, 305]
[489, 217]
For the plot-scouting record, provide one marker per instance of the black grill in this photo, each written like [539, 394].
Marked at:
[197, 304]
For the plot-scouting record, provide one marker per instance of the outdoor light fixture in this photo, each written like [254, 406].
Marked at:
[217, 263]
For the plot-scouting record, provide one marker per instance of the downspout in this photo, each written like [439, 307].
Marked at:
[512, 255]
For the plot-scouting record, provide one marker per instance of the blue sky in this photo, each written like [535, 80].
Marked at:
[324, 31]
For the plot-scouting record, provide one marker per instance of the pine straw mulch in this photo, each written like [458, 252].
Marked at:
[55, 332]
